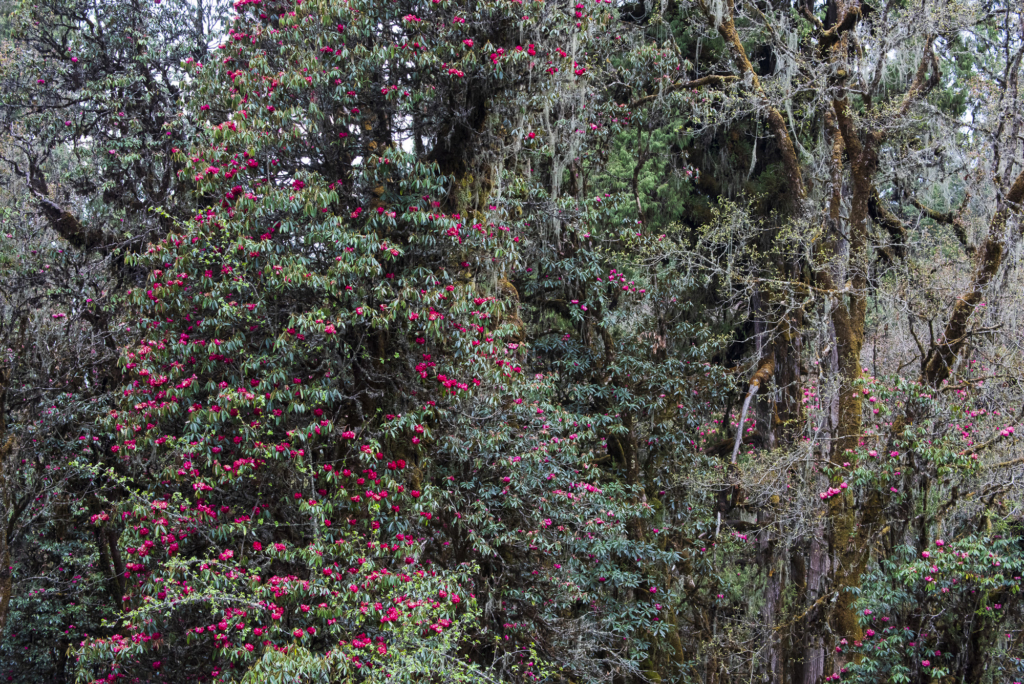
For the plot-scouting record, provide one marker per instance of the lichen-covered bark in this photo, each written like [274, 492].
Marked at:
[776, 123]
[63, 222]
[944, 354]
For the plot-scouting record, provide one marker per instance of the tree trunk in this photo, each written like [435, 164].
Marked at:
[727, 29]
[943, 355]
[769, 614]
[814, 649]
[849, 535]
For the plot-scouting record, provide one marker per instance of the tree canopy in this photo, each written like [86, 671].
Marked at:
[528, 341]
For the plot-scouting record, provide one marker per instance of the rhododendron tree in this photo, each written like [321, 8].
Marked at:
[907, 614]
[282, 512]
[309, 347]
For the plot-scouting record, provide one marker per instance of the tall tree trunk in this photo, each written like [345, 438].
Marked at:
[769, 616]
[814, 648]
[848, 529]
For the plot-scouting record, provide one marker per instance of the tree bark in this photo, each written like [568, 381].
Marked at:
[945, 352]
[776, 123]
[63, 222]
[851, 529]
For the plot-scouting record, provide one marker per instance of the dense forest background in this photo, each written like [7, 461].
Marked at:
[511, 340]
